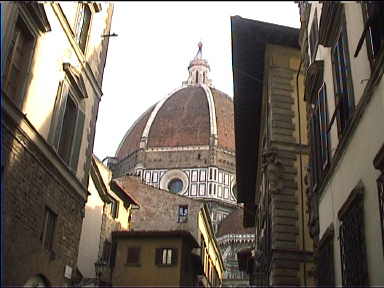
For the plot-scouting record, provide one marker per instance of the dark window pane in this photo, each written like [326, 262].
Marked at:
[68, 129]
[175, 185]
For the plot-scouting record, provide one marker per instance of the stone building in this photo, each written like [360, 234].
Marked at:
[185, 144]
[54, 57]
[271, 150]
[171, 239]
[343, 53]
[109, 208]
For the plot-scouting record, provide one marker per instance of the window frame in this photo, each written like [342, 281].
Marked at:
[79, 26]
[353, 270]
[159, 256]
[135, 253]
[314, 37]
[9, 59]
[342, 79]
[48, 241]
[182, 214]
[366, 35]
[320, 145]
[66, 89]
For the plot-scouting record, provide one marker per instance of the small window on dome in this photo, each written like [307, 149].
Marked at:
[175, 185]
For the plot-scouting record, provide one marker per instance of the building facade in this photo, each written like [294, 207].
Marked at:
[176, 222]
[54, 58]
[342, 48]
[272, 151]
[185, 144]
[108, 208]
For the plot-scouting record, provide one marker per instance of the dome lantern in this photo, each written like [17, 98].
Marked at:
[198, 69]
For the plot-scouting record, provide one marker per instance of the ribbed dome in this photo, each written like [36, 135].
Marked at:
[190, 116]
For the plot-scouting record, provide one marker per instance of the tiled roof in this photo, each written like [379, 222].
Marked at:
[233, 224]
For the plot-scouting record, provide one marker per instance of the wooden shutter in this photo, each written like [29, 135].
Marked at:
[158, 256]
[77, 141]
[174, 256]
[58, 114]
[133, 256]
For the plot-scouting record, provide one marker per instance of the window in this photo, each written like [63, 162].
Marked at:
[203, 175]
[48, 230]
[67, 126]
[133, 256]
[166, 256]
[194, 175]
[320, 142]
[325, 259]
[107, 249]
[155, 177]
[83, 24]
[194, 189]
[175, 185]
[182, 214]
[18, 61]
[342, 81]
[314, 37]
[373, 34]
[114, 208]
[352, 241]
[202, 189]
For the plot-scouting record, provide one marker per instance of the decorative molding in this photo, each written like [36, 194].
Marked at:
[212, 112]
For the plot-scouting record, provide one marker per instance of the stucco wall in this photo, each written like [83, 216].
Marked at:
[147, 273]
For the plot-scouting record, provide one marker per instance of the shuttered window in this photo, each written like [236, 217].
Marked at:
[83, 25]
[352, 242]
[373, 31]
[320, 139]
[133, 256]
[48, 231]
[166, 256]
[18, 62]
[67, 126]
[314, 37]
[342, 76]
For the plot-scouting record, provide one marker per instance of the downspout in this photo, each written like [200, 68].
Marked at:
[301, 171]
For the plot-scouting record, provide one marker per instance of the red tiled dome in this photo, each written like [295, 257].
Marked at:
[183, 119]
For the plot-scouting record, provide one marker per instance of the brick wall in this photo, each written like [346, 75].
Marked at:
[31, 184]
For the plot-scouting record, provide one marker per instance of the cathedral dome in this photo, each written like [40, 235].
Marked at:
[184, 143]
[193, 115]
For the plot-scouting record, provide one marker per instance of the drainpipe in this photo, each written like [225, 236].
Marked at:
[301, 171]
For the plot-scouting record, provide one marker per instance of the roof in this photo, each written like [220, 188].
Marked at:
[233, 224]
[127, 195]
[249, 39]
[183, 119]
[155, 234]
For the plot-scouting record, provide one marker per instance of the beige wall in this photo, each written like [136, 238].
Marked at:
[90, 233]
[147, 274]
[54, 48]
[356, 163]
[98, 223]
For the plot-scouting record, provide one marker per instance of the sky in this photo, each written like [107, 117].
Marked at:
[155, 43]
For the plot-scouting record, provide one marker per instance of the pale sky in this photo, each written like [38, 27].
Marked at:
[155, 43]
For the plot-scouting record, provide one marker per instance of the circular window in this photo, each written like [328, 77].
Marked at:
[175, 185]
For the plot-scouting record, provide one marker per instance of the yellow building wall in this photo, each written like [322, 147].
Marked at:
[147, 273]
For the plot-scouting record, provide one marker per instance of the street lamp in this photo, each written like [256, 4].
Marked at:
[99, 269]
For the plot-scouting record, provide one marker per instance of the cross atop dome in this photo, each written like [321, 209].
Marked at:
[198, 69]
